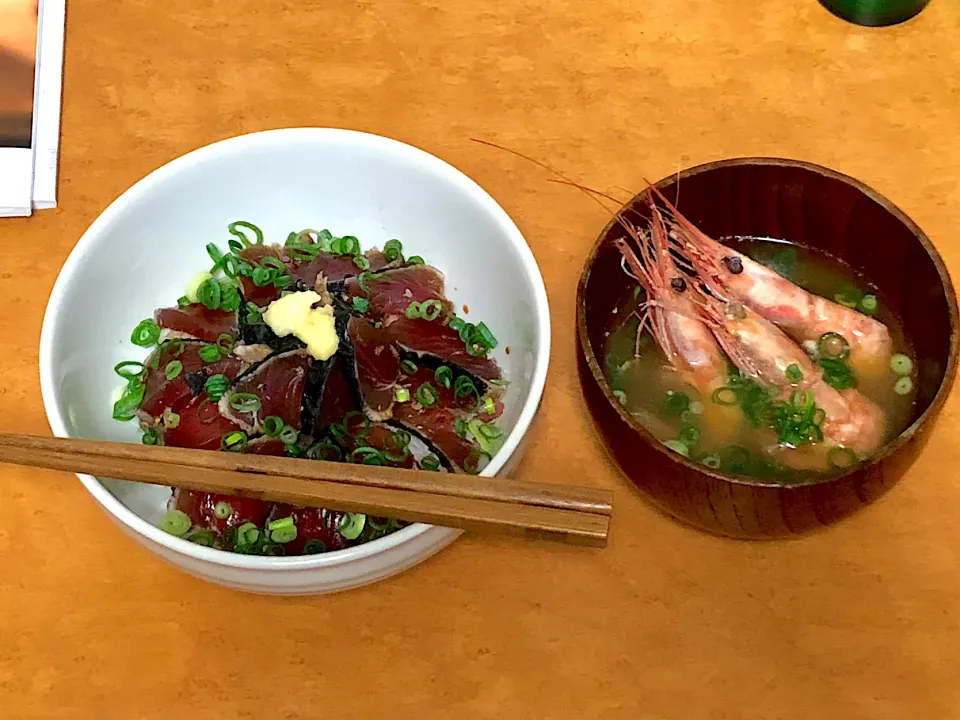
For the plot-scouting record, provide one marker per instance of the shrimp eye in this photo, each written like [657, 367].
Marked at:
[678, 284]
[734, 264]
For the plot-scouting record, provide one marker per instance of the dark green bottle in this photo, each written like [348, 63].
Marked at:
[875, 12]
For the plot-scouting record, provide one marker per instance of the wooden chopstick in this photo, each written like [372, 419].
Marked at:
[573, 515]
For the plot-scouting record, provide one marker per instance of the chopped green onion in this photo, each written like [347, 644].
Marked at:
[408, 367]
[351, 246]
[173, 369]
[216, 386]
[284, 535]
[247, 535]
[393, 250]
[245, 402]
[253, 313]
[689, 436]
[356, 431]
[313, 546]
[234, 441]
[150, 437]
[230, 266]
[352, 525]
[837, 374]
[126, 407]
[367, 455]
[209, 353]
[794, 373]
[621, 396]
[261, 276]
[415, 260]
[234, 229]
[711, 461]
[444, 376]
[430, 310]
[678, 447]
[833, 346]
[225, 343]
[289, 435]
[223, 510]
[464, 387]
[361, 262]
[124, 370]
[868, 304]
[430, 462]
[401, 395]
[490, 407]
[456, 324]
[472, 464]
[176, 522]
[724, 396]
[280, 524]
[414, 310]
[901, 364]
[427, 395]
[203, 537]
[696, 407]
[676, 403]
[361, 305]
[183, 301]
[460, 427]
[848, 299]
[272, 426]
[362, 281]
[145, 334]
[208, 294]
[803, 400]
[485, 336]
[170, 419]
[325, 451]
[841, 457]
[903, 386]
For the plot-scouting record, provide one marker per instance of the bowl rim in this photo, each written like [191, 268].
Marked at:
[236, 145]
[889, 448]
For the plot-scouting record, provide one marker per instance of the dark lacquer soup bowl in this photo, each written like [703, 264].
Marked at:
[812, 207]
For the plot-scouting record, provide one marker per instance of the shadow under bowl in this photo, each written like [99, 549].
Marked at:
[811, 206]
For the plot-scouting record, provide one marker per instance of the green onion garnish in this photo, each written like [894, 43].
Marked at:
[289, 435]
[393, 250]
[401, 395]
[794, 373]
[711, 461]
[900, 364]
[234, 441]
[245, 402]
[724, 396]
[868, 304]
[216, 386]
[408, 367]
[903, 386]
[464, 387]
[427, 395]
[203, 537]
[272, 426]
[361, 305]
[176, 522]
[253, 313]
[262, 276]
[841, 457]
[460, 427]
[362, 281]
[444, 376]
[234, 229]
[173, 369]
[676, 403]
[361, 262]
[490, 407]
[689, 436]
[833, 346]
[847, 299]
[415, 260]
[837, 374]
[367, 455]
[126, 407]
[430, 310]
[314, 547]
[223, 510]
[356, 424]
[225, 343]
[171, 419]
[209, 293]
[145, 334]
[430, 462]
[150, 437]
[352, 525]
[247, 535]
[183, 301]
[485, 336]
[130, 370]
[283, 530]
[414, 310]
[209, 353]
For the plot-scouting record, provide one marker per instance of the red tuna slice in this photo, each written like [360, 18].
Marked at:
[441, 341]
[333, 267]
[161, 393]
[318, 524]
[266, 446]
[391, 291]
[438, 425]
[377, 365]
[197, 321]
[338, 397]
[201, 425]
[199, 506]
[254, 255]
[278, 383]
[446, 397]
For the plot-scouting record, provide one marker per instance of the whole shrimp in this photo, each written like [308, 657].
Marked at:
[763, 352]
[800, 314]
[672, 318]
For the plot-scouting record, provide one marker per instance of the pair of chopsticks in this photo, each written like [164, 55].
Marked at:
[562, 513]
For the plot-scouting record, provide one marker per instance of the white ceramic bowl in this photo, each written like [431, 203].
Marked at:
[139, 254]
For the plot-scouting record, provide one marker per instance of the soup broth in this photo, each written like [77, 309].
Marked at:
[721, 434]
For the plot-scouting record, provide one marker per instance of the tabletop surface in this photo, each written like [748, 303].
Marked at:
[860, 621]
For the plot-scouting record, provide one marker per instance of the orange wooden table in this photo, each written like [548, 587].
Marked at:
[857, 622]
